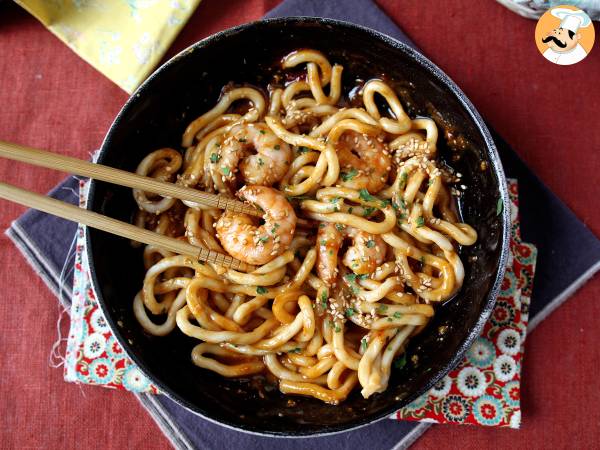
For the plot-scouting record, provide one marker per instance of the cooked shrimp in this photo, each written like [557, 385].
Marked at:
[365, 254]
[243, 239]
[365, 162]
[329, 241]
[265, 167]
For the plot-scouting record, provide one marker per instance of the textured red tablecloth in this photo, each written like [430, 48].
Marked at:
[52, 99]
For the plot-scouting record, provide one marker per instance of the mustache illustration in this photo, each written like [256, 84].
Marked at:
[556, 41]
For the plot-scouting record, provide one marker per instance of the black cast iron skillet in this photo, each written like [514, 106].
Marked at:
[188, 85]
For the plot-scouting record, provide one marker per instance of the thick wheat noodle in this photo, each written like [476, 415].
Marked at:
[393, 251]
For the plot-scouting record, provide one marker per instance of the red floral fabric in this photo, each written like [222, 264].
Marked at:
[485, 388]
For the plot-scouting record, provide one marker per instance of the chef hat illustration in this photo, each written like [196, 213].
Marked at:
[571, 20]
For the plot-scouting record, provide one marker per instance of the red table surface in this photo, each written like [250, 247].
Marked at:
[52, 99]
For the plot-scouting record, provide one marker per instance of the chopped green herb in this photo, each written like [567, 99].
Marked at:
[242, 140]
[277, 147]
[397, 315]
[337, 328]
[261, 162]
[430, 182]
[324, 296]
[364, 195]
[350, 277]
[347, 176]
[303, 149]
[381, 309]
[422, 260]
[330, 252]
[274, 229]
[368, 211]
[323, 242]
[403, 180]
[218, 144]
[350, 312]
[370, 243]
[350, 210]
[262, 131]
[334, 200]
[321, 225]
[499, 207]
[339, 226]
[364, 344]
[402, 203]
[295, 350]
[214, 158]
[261, 290]
[226, 171]
[390, 319]
[420, 221]
[263, 239]
[400, 362]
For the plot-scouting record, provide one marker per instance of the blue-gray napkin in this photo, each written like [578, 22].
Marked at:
[569, 254]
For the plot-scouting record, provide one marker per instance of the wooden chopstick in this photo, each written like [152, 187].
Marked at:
[114, 226]
[121, 177]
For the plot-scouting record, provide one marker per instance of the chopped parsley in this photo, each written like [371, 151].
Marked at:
[347, 176]
[242, 140]
[295, 350]
[303, 149]
[390, 319]
[420, 221]
[261, 162]
[321, 225]
[274, 229]
[368, 211]
[324, 296]
[337, 328]
[422, 260]
[262, 131]
[334, 200]
[226, 171]
[214, 158]
[339, 226]
[263, 239]
[364, 344]
[403, 180]
[382, 308]
[323, 242]
[370, 243]
[350, 210]
[277, 147]
[261, 290]
[499, 207]
[330, 252]
[352, 277]
[402, 203]
[364, 195]
[350, 312]
[397, 315]
[400, 362]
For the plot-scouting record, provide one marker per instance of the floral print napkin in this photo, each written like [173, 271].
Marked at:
[484, 389]
[123, 39]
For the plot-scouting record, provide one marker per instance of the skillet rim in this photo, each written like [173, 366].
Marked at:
[490, 149]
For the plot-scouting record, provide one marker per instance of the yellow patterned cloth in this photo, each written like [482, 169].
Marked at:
[123, 39]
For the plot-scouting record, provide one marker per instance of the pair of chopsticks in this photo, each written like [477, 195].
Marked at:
[123, 178]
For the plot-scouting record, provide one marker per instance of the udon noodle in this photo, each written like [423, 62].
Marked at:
[359, 237]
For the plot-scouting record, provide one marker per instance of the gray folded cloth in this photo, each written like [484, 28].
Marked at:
[47, 243]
